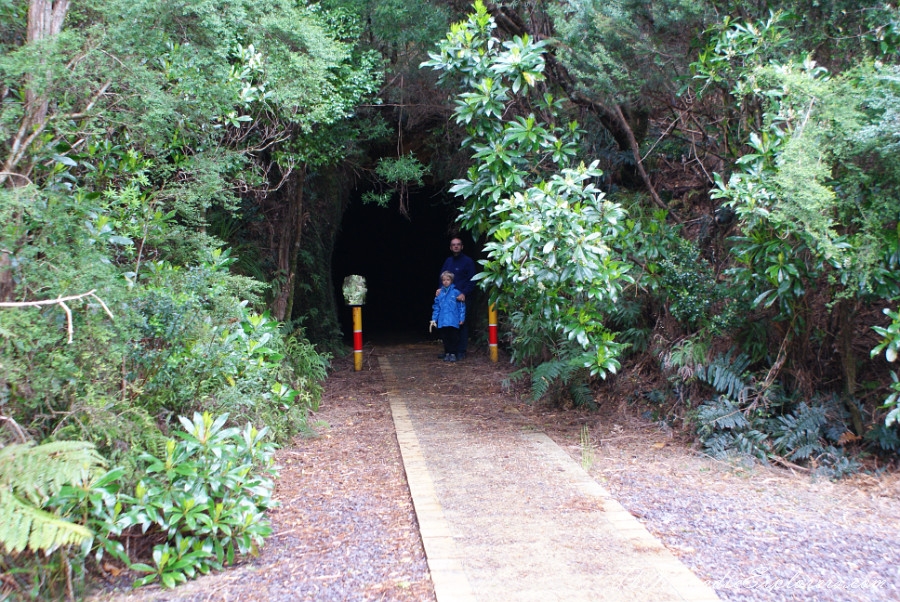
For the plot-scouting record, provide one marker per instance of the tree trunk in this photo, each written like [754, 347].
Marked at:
[6, 277]
[846, 331]
[288, 244]
[45, 20]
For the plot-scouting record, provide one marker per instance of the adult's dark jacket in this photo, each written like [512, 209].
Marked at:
[463, 269]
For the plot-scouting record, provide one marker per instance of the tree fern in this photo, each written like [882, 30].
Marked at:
[29, 475]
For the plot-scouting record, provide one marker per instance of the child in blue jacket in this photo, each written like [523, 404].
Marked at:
[448, 315]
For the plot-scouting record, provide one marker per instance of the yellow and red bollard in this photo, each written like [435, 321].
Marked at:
[357, 338]
[492, 332]
[354, 289]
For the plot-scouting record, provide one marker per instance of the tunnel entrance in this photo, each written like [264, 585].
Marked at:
[400, 259]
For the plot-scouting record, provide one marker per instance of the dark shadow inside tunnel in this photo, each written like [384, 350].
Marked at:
[400, 259]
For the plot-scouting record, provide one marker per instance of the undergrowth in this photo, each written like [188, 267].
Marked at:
[559, 381]
[757, 419]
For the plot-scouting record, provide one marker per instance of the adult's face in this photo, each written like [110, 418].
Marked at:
[456, 246]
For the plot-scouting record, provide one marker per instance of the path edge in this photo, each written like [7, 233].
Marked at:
[683, 581]
[444, 559]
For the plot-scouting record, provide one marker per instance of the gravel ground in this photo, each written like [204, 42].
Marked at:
[753, 532]
[346, 529]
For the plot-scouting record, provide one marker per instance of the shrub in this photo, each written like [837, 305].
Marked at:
[207, 496]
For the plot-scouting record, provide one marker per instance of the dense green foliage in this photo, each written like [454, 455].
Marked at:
[123, 127]
[815, 196]
[549, 228]
[705, 193]
[205, 497]
[788, 154]
[208, 495]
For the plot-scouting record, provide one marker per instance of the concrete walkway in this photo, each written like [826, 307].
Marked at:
[504, 513]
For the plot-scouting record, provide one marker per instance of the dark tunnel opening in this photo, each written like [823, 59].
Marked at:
[400, 259]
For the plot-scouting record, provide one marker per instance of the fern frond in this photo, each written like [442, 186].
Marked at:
[36, 472]
[29, 474]
[689, 354]
[582, 395]
[514, 377]
[752, 443]
[720, 414]
[638, 338]
[626, 314]
[799, 434]
[23, 525]
[726, 375]
[718, 444]
[546, 375]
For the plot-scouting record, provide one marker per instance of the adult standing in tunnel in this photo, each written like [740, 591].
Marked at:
[463, 269]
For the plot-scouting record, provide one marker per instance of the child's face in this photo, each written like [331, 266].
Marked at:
[446, 280]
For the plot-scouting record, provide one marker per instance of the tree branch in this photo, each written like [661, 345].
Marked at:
[61, 301]
[636, 151]
[15, 427]
[611, 118]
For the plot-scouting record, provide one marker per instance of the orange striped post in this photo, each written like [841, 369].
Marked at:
[492, 332]
[357, 338]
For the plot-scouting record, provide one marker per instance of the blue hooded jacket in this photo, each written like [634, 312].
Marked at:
[447, 311]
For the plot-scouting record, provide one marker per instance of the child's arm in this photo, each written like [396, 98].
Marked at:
[462, 311]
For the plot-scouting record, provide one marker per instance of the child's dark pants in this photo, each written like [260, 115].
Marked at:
[450, 336]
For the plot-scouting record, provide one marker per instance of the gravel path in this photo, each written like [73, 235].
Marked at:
[526, 522]
[754, 533]
[346, 529]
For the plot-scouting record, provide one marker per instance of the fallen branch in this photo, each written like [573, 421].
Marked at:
[61, 301]
[773, 371]
[787, 464]
[639, 162]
